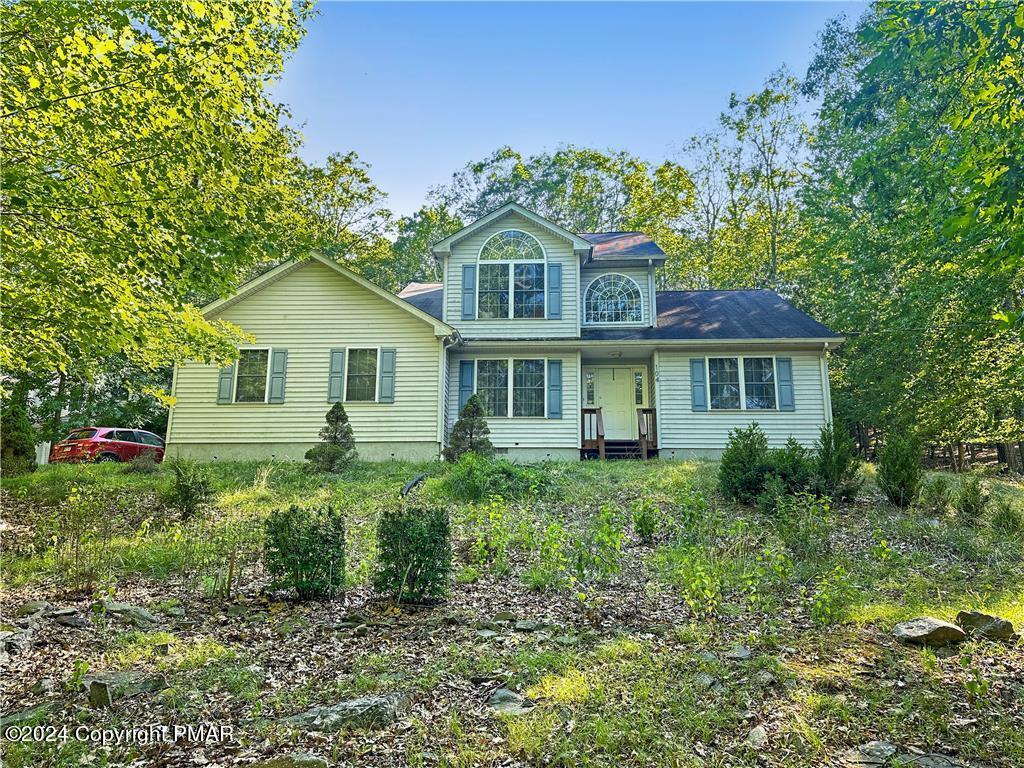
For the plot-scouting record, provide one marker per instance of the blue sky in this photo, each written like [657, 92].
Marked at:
[418, 90]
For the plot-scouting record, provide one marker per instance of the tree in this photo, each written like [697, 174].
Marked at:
[17, 438]
[338, 449]
[470, 433]
[411, 255]
[143, 165]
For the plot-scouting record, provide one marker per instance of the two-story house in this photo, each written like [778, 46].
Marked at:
[563, 335]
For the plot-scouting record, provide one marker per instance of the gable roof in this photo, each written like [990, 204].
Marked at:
[578, 243]
[721, 315]
[271, 276]
[615, 246]
[427, 297]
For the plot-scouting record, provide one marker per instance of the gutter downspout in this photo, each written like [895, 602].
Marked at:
[826, 387]
[653, 291]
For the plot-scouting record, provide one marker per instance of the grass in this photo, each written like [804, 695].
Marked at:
[642, 577]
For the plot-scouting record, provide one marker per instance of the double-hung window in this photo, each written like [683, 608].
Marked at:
[361, 376]
[511, 277]
[252, 375]
[742, 383]
[512, 387]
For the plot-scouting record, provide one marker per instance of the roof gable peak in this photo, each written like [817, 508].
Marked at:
[578, 243]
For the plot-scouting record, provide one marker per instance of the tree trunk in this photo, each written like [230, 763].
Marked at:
[960, 458]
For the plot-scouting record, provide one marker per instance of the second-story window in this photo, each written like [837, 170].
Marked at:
[511, 277]
[613, 298]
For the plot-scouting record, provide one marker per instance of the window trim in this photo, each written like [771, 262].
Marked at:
[510, 263]
[376, 376]
[511, 384]
[631, 323]
[266, 384]
[742, 382]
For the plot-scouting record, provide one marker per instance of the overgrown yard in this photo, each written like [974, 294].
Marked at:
[625, 614]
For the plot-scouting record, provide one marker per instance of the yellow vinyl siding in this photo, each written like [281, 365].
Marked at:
[308, 311]
[558, 251]
[511, 432]
[679, 426]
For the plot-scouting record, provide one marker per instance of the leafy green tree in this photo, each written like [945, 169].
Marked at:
[411, 255]
[142, 165]
[17, 438]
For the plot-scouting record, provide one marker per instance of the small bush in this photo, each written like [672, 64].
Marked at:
[1007, 518]
[339, 444]
[470, 433]
[774, 491]
[835, 463]
[899, 468]
[305, 550]
[492, 540]
[597, 554]
[190, 489]
[17, 440]
[793, 465]
[143, 464]
[971, 500]
[414, 555]
[832, 596]
[475, 478]
[935, 497]
[646, 518]
[804, 525]
[552, 568]
[744, 466]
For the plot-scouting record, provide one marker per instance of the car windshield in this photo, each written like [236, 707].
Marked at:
[81, 434]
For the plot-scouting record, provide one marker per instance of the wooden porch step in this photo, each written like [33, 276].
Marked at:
[615, 450]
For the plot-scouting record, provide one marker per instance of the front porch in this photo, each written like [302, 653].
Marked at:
[617, 416]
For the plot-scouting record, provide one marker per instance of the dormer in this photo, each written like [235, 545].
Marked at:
[617, 280]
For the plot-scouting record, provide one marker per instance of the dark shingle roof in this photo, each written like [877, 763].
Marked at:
[609, 246]
[711, 315]
[424, 296]
[686, 315]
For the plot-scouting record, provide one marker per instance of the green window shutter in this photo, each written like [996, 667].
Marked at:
[278, 369]
[226, 385]
[465, 382]
[386, 376]
[698, 385]
[784, 370]
[468, 291]
[554, 291]
[336, 376]
[554, 389]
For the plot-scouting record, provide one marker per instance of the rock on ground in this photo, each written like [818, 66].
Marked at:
[985, 625]
[107, 687]
[509, 702]
[757, 737]
[294, 760]
[928, 631]
[364, 712]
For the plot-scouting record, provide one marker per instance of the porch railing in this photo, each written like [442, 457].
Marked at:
[593, 430]
[647, 430]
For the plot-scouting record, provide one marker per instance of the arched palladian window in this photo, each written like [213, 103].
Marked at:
[613, 299]
[511, 276]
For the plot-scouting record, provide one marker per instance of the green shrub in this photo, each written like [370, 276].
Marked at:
[971, 500]
[804, 523]
[835, 463]
[474, 478]
[935, 496]
[646, 518]
[17, 439]
[492, 535]
[744, 466]
[1008, 518]
[769, 499]
[470, 433]
[832, 596]
[305, 550]
[190, 487]
[899, 468]
[414, 555]
[338, 449]
[793, 465]
[597, 554]
[551, 570]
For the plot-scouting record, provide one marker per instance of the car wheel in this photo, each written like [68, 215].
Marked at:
[107, 457]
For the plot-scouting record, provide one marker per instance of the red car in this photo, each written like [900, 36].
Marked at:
[106, 444]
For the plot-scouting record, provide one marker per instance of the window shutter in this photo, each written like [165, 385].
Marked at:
[468, 291]
[784, 370]
[698, 385]
[226, 384]
[554, 291]
[386, 385]
[336, 377]
[554, 389]
[278, 368]
[465, 382]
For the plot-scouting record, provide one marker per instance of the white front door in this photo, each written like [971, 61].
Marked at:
[618, 391]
